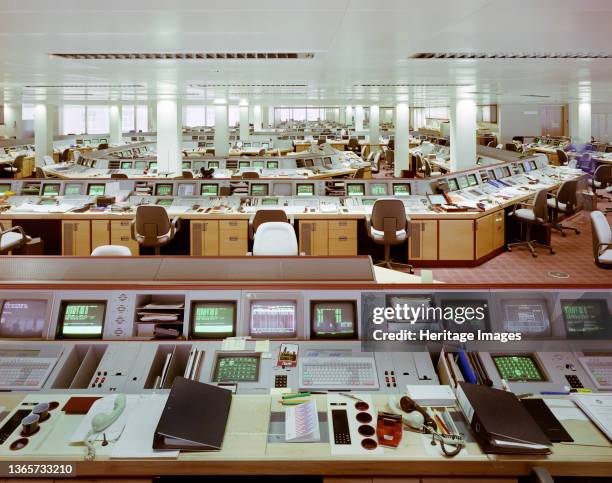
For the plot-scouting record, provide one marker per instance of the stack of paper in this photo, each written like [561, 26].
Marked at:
[302, 423]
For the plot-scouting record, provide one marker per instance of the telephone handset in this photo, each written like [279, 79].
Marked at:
[101, 421]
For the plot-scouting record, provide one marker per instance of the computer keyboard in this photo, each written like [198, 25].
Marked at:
[21, 373]
[600, 371]
[337, 373]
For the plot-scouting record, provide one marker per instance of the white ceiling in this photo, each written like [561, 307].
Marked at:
[355, 42]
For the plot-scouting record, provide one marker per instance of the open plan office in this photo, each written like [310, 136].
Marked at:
[335, 242]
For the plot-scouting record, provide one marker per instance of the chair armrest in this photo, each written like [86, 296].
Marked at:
[175, 225]
[302, 254]
[13, 229]
[249, 254]
[133, 229]
[368, 222]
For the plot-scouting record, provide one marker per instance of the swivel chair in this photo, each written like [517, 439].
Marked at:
[119, 176]
[428, 169]
[390, 161]
[250, 175]
[12, 239]
[511, 147]
[564, 203]
[15, 167]
[275, 238]
[111, 251]
[388, 226]
[153, 228]
[562, 157]
[602, 240]
[265, 216]
[353, 145]
[602, 178]
[530, 215]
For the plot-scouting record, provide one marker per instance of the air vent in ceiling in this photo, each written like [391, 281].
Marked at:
[186, 56]
[204, 86]
[535, 95]
[87, 86]
[493, 56]
[410, 85]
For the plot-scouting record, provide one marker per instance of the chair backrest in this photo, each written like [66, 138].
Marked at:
[152, 222]
[540, 205]
[391, 144]
[603, 174]
[268, 216]
[353, 143]
[567, 194]
[601, 231]
[427, 167]
[187, 174]
[40, 172]
[385, 210]
[360, 173]
[65, 154]
[275, 239]
[511, 147]
[103, 146]
[250, 175]
[491, 144]
[562, 156]
[111, 251]
[262, 152]
[390, 157]
[119, 176]
[18, 162]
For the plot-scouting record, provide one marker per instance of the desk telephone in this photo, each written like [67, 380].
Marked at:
[101, 421]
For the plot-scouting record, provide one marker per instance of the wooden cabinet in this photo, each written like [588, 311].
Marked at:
[100, 233]
[314, 237]
[121, 234]
[6, 224]
[233, 238]
[76, 238]
[342, 239]
[423, 240]
[489, 233]
[205, 238]
[456, 239]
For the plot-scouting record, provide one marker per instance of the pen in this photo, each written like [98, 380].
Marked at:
[293, 402]
[294, 395]
[554, 393]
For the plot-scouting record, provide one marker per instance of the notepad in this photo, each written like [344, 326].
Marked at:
[302, 423]
[598, 407]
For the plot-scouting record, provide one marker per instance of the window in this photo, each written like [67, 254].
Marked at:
[73, 119]
[210, 116]
[98, 121]
[195, 116]
[27, 112]
[233, 115]
[127, 118]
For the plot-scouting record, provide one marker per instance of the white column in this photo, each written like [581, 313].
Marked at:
[462, 134]
[359, 118]
[13, 120]
[244, 123]
[265, 117]
[342, 116]
[402, 119]
[115, 124]
[169, 137]
[257, 118]
[580, 122]
[374, 127]
[221, 131]
[43, 133]
[152, 117]
[348, 112]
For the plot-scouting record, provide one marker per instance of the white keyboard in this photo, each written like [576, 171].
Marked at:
[600, 371]
[25, 373]
[337, 373]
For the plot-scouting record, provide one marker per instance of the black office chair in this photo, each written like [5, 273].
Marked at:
[562, 157]
[153, 228]
[602, 178]
[353, 145]
[511, 147]
[564, 204]
[119, 176]
[530, 215]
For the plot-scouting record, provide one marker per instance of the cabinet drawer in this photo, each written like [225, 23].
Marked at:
[233, 225]
[121, 225]
[342, 245]
[342, 225]
[233, 245]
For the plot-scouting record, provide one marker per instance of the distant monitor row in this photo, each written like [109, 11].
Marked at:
[377, 189]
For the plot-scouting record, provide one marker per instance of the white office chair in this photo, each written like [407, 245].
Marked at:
[499, 146]
[12, 239]
[76, 155]
[48, 160]
[602, 240]
[426, 148]
[275, 238]
[111, 251]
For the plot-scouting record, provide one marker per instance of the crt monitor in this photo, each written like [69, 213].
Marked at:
[463, 182]
[244, 164]
[153, 165]
[327, 161]
[213, 319]
[586, 319]
[469, 315]
[378, 189]
[81, 319]
[259, 164]
[272, 164]
[273, 201]
[355, 189]
[507, 172]
[333, 319]
[518, 368]
[209, 189]
[533, 164]
[452, 184]
[140, 165]
[305, 189]
[51, 189]
[258, 189]
[163, 189]
[96, 189]
[472, 180]
[72, 189]
[236, 368]
[186, 165]
[4, 187]
[527, 316]
[401, 189]
[273, 318]
[22, 319]
[213, 164]
[413, 310]
[164, 201]
[126, 165]
[308, 163]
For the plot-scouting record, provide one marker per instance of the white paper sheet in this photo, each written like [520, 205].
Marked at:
[302, 423]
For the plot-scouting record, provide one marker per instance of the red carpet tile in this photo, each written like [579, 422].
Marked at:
[573, 255]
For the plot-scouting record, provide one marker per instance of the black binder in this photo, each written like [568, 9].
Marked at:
[194, 417]
[500, 423]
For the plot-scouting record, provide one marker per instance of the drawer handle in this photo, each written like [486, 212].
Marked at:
[233, 238]
[342, 223]
[125, 238]
[233, 223]
[342, 238]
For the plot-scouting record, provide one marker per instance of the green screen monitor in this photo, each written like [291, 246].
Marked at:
[140, 165]
[208, 189]
[126, 165]
[213, 164]
[72, 189]
[378, 189]
[81, 319]
[164, 201]
[452, 184]
[213, 319]
[153, 166]
[236, 368]
[586, 319]
[356, 189]
[518, 368]
[305, 189]
[272, 164]
[258, 189]
[463, 182]
[333, 319]
[96, 189]
[472, 180]
[269, 202]
[259, 164]
[163, 189]
[51, 189]
[401, 189]
[186, 165]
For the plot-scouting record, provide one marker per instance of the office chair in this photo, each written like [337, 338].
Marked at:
[391, 144]
[111, 251]
[48, 160]
[250, 175]
[65, 156]
[119, 176]
[40, 173]
[388, 226]
[536, 214]
[359, 174]
[265, 216]
[376, 161]
[491, 144]
[261, 152]
[14, 168]
[353, 145]
[602, 178]
[564, 203]
[602, 240]
[275, 238]
[562, 157]
[429, 170]
[12, 239]
[153, 228]
[390, 161]
[511, 147]
[102, 146]
[187, 174]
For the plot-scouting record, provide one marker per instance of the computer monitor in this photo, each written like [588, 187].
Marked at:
[273, 318]
[452, 184]
[213, 164]
[401, 189]
[416, 305]
[308, 163]
[474, 315]
[333, 319]
[153, 166]
[472, 180]
[72, 189]
[244, 164]
[269, 201]
[327, 161]
[140, 165]
[259, 164]
[22, 318]
[126, 165]
[51, 189]
[533, 164]
[164, 201]
[378, 189]
[209, 189]
[236, 368]
[527, 316]
[305, 189]
[586, 319]
[463, 182]
[355, 189]
[96, 189]
[499, 174]
[272, 164]
[507, 172]
[526, 166]
[81, 319]
[4, 187]
[258, 189]
[518, 368]
[213, 319]
[186, 165]
[163, 189]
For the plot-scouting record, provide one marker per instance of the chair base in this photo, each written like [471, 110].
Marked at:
[531, 245]
[391, 263]
[559, 227]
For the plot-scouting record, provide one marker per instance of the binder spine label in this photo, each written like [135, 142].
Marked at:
[464, 404]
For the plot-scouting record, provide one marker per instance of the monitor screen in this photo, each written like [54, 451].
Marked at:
[51, 190]
[273, 318]
[126, 165]
[499, 174]
[259, 164]
[412, 304]
[506, 170]
[308, 163]
[378, 189]
[305, 189]
[244, 164]
[463, 182]
[4, 187]
[586, 319]
[231, 368]
[213, 164]
[472, 180]
[164, 201]
[437, 199]
[269, 202]
[152, 165]
[355, 189]
[470, 320]
[186, 165]
[327, 161]
[208, 189]
[527, 166]
[140, 165]
[272, 164]
[491, 174]
[96, 189]
[368, 201]
[333, 319]
[518, 368]
[533, 164]
[81, 319]
[258, 189]
[528, 316]
[213, 320]
[163, 189]
[22, 319]
[452, 184]
[401, 189]
[72, 189]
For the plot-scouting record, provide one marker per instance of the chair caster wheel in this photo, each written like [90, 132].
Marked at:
[577, 232]
[509, 249]
[534, 255]
[563, 234]
[552, 252]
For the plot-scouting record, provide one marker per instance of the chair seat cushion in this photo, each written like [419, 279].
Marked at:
[528, 215]
[597, 184]
[161, 240]
[552, 203]
[10, 240]
[606, 257]
[380, 235]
